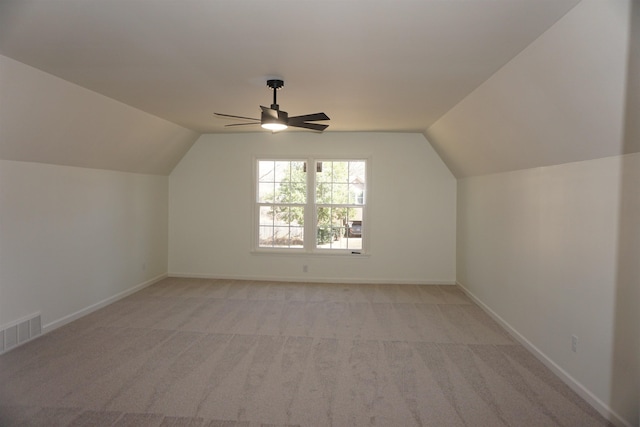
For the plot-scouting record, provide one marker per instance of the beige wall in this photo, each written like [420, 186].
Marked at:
[542, 249]
[411, 209]
[72, 239]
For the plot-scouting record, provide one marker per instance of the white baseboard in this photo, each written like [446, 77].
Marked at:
[575, 385]
[93, 307]
[307, 279]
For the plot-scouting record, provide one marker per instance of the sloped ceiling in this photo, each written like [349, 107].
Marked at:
[452, 70]
[560, 100]
[48, 120]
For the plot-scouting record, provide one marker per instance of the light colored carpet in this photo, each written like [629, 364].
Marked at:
[193, 352]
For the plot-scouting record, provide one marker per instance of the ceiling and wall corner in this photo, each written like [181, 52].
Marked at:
[560, 100]
[45, 119]
[538, 87]
[509, 86]
[396, 68]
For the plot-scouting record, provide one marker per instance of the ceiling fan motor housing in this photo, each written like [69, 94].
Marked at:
[270, 117]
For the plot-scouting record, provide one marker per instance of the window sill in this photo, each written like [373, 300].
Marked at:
[321, 253]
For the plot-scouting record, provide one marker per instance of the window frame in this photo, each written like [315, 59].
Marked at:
[310, 246]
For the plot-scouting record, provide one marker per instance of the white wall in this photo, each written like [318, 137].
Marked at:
[541, 248]
[411, 209]
[73, 238]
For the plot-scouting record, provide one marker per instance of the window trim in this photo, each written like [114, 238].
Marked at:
[309, 246]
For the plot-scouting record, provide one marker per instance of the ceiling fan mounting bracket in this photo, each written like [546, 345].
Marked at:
[275, 83]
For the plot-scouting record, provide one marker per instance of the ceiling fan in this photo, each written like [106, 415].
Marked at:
[274, 119]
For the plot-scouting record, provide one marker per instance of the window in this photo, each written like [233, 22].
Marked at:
[318, 209]
[282, 197]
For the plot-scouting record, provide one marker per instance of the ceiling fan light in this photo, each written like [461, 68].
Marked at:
[274, 126]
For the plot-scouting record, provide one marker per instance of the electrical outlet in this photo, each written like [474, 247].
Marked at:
[574, 343]
[305, 268]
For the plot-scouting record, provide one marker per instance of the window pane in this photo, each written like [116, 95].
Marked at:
[323, 228]
[354, 214]
[339, 228]
[356, 195]
[354, 223]
[281, 237]
[281, 226]
[281, 194]
[331, 227]
[282, 182]
[356, 169]
[266, 215]
[340, 194]
[323, 171]
[357, 182]
[296, 192]
[288, 215]
[340, 187]
[298, 169]
[293, 185]
[297, 237]
[281, 170]
[266, 192]
[323, 193]
[324, 216]
[340, 171]
[266, 236]
[266, 171]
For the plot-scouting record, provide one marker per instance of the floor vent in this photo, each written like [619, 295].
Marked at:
[20, 332]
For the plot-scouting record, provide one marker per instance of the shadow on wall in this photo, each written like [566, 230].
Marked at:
[625, 379]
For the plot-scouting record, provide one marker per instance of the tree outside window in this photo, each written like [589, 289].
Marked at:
[336, 206]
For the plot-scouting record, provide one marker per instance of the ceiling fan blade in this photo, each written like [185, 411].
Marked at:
[309, 118]
[241, 124]
[236, 117]
[312, 126]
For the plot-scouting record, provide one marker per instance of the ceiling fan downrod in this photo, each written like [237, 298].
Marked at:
[275, 84]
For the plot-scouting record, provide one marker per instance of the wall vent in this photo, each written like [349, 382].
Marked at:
[16, 333]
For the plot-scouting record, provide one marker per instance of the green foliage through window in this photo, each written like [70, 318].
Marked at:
[338, 201]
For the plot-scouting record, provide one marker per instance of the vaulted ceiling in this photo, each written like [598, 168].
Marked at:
[453, 70]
